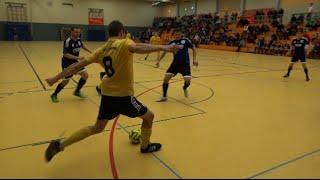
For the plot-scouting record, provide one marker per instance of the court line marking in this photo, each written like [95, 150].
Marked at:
[241, 73]
[203, 100]
[16, 82]
[122, 127]
[212, 93]
[153, 89]
[257, 72]
[159, 159]
[13, 93]
[111, 154]
[200, 76]
[168, 119]
[232, 63]
[107, 130]
[284, 164]
[32, 67]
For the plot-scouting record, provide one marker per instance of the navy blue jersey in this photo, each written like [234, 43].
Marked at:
[299, 46]
[182, 56]
[72, 46]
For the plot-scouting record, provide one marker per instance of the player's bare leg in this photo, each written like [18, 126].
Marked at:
[306, 71]
[187, 82]
[57, 146]
[165, 86]
[84, 76]
[289, 70]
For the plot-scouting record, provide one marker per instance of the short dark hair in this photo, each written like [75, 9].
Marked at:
[114, 28]
[74, 27]
[177, 31]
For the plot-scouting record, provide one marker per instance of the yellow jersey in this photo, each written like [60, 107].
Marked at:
[156, 40]
[129, 36]
[114, 56]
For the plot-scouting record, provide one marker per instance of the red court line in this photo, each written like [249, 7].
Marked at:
[111, 155]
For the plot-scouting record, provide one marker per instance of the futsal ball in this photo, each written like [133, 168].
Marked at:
[135, 136]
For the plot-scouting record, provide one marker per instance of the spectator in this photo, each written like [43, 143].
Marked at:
[315, 50]
[243, 21]
[234, 17]
[311, 23]
[260, 45]
[310, 8]
[300, 19]
[280, 14]
[226, 17]
[208, 29]
[293, 19]
[196, 40]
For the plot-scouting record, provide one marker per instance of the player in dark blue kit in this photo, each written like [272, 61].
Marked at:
[71, 50]
[180, 64]
[300, 46]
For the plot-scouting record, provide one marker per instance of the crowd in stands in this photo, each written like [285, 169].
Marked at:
[268, 34]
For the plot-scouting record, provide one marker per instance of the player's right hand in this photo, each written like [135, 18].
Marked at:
[51, 81]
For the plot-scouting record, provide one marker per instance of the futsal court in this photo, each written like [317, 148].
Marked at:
[242, 119]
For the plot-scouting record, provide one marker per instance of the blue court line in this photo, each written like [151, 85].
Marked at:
[61, 135]
[32, 67]
[189, 105]
[283, 164]
[156, 157]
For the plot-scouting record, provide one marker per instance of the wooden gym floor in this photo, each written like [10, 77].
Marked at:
[242, 120]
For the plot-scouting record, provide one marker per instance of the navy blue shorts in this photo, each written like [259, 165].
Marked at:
[184, 70]
[296, 58]
[66, 63]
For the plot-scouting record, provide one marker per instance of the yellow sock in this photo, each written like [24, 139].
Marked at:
[77, 136]
[145, 137]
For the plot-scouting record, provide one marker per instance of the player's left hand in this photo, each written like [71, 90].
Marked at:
[195, 63]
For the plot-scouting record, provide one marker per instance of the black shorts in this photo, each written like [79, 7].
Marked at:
[110, 107]
[184, 70]
[66, 63]
[296, 58]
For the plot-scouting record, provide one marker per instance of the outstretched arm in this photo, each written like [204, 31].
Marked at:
[142, 48]
[86, 48]
[74, 68]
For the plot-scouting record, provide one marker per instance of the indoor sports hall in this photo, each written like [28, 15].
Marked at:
[241, 119]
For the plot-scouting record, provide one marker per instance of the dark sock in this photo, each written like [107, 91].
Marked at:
[80, 84]
[165, 87]
[186, 85]
[102, 74]
[306, 71]
[58, 89]
[289, 70]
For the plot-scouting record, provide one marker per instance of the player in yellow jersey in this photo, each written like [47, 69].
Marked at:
[116, 56]
[128, 35]
[155, 40]
[102, 74]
